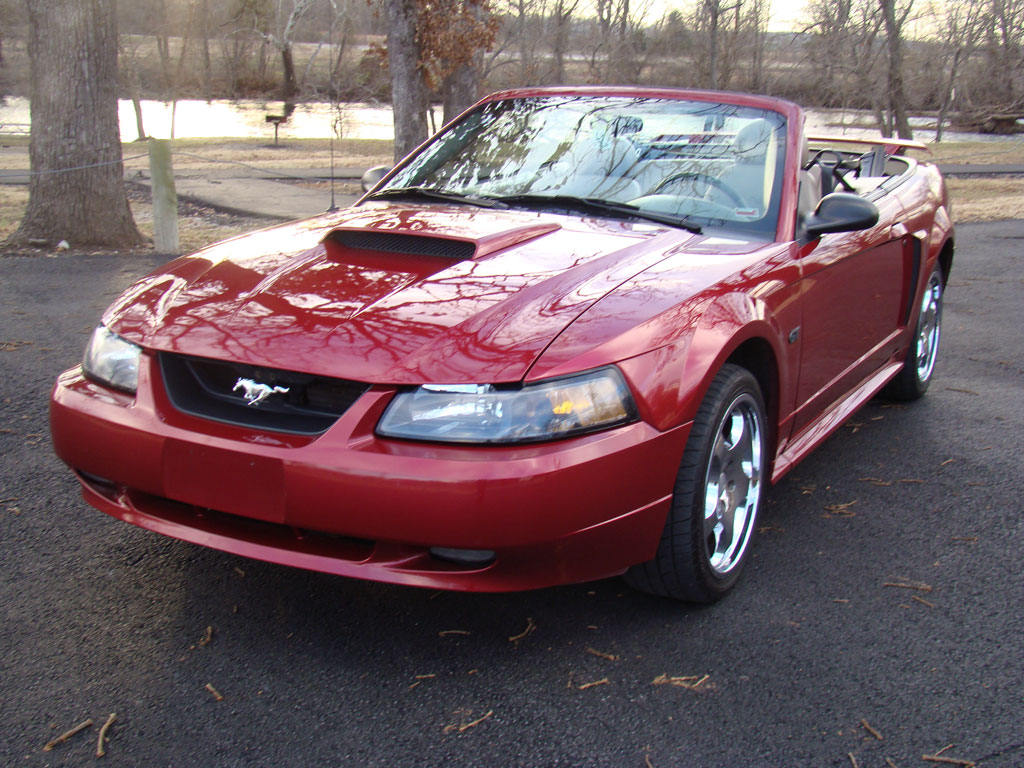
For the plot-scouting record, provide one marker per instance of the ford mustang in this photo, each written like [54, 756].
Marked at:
[576, 334]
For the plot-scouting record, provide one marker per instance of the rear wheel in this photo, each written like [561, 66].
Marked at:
[718, 490]
[913, 380]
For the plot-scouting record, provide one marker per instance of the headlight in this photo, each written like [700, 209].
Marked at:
[112, 360]
[483, 413]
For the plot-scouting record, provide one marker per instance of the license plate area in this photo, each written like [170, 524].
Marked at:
[224, 480]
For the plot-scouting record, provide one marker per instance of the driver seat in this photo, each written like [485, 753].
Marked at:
[752, 175]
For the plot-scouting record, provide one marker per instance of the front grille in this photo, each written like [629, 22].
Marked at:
[416, 245]
[210, 389]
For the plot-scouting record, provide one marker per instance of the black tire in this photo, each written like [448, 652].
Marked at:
[919, 366]
[690, 563]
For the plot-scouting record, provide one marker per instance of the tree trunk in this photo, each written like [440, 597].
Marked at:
[948, 92]
[460, 90]
[408, 91]
[137, 105]
[290, 86]
[163, 45]
[73, 54]
[204, 43]
[897, 92]
[713, 10]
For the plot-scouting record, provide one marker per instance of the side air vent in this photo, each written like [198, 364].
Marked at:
[416, 245]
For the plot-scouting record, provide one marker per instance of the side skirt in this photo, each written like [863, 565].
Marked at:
[816, 433]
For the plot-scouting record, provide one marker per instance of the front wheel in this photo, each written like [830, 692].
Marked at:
[718, 490]
[913, 379]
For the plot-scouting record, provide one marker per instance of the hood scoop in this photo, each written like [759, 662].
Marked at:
[413, 245]
[438, 245]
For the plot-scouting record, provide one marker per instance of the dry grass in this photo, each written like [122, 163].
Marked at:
[986, 199]
[978, 152]
[197, 227]
[13, 198]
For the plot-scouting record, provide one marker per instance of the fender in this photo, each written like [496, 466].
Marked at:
[671, 382]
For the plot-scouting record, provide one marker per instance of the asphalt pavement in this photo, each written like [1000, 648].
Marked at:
[803, 665]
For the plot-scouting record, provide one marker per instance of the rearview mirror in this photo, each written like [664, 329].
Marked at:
[841, 212]
[373, 176]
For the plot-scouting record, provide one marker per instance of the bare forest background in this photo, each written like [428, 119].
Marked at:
[960, 60]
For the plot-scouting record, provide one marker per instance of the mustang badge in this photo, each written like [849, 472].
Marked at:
[255, 392]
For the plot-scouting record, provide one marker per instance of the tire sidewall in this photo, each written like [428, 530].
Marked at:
[922, 384]
[740, 382]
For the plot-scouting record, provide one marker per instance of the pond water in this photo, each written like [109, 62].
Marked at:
[247, 119]
[196, 119]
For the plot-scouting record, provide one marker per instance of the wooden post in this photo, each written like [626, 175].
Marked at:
[165, 199]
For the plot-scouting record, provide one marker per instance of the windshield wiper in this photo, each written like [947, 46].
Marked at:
[596, 204]
[435, 194]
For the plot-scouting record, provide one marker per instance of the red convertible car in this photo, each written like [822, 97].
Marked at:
[575, 334]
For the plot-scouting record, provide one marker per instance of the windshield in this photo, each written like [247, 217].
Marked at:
[708, 164]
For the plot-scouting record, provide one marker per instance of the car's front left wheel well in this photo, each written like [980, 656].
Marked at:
[757, 356]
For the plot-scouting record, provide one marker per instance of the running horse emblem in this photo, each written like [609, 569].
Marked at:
[255, 392]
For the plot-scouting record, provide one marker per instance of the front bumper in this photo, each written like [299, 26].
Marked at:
[350, 503]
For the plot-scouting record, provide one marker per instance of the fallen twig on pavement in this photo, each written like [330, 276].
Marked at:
[869, 729]
[466, 726]
[920, 587]
[530, 626]
[216, 694]
[691, 682]
[100, 751]
[68, 734]
[948, 760]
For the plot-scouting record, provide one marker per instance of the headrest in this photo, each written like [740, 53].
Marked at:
[751, 142]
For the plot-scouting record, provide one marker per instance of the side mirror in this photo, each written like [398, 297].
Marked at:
[841, 212]
[373, 176]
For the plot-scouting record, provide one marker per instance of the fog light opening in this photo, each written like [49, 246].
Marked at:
[101, 485]
[463, 556]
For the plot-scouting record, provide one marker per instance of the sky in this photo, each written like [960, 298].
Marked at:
[785, 14]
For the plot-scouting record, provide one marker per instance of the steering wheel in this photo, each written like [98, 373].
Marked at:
[833, 166]
[707, 178]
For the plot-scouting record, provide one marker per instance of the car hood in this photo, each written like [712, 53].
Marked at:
[386, 293]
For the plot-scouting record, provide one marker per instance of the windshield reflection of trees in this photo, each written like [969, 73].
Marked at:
[594, 146]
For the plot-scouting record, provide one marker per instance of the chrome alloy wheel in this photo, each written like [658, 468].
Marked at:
[732, 485]
[929, 326]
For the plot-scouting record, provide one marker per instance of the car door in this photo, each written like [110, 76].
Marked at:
[853, 293]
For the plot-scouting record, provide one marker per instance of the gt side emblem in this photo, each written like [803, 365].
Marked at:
[255, 393]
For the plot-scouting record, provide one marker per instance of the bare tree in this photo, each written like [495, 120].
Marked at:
[725, 35]
[560, 21]
[845, 45]
[276, 26]
[959, 21]
[77, 187]
[618, 40]
[996, 92]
